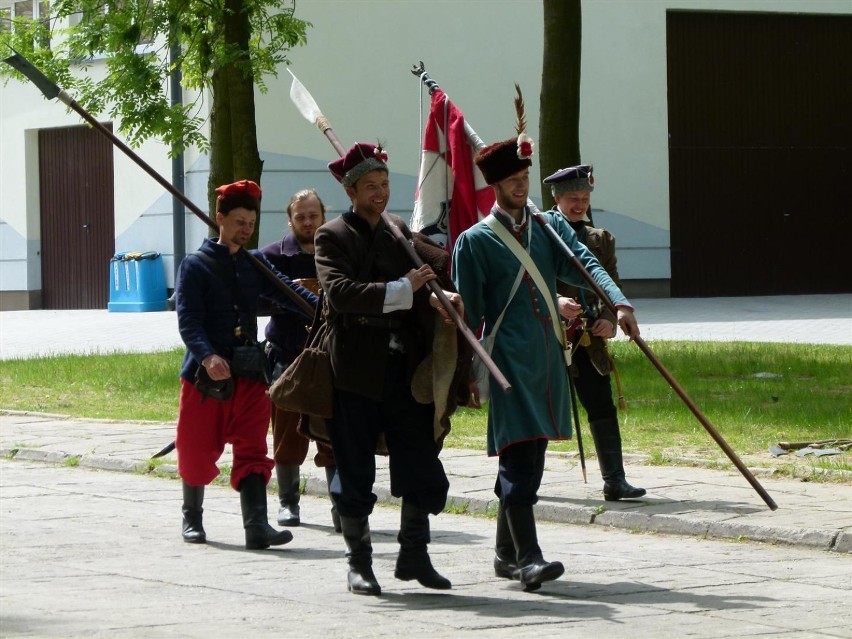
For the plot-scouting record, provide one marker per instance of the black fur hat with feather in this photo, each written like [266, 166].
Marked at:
[502, 159]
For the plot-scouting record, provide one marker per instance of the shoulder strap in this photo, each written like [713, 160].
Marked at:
[514, 290]
[214, 266]
[527, 263]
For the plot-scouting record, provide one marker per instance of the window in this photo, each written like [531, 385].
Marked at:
[5, 19]
[145, 38]
[30, 10]
[23, 9]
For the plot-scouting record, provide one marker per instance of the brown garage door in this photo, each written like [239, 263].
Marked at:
[77, 217]
[760, 137]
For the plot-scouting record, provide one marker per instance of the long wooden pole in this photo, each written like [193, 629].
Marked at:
[558, 241]
[51, 91]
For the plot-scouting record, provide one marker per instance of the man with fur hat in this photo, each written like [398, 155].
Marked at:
[381, 319]
[490, 277]
[224, 380]
[591, 364]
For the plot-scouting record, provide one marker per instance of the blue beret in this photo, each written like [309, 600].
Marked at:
[573, 178]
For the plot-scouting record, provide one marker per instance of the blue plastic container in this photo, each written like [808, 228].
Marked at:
[137, 282]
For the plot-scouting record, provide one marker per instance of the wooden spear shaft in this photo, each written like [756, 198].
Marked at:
[51, 91]
[659, 366]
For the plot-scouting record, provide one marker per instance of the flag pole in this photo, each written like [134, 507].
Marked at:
[476, 144]
[309, 109]
[560, 243]
[50, 90]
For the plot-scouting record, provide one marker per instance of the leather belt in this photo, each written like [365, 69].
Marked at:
[375, 321]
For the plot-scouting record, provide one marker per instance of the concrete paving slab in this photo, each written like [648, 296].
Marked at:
[86, 553]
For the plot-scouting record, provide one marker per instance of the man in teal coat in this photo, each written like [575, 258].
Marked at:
[526, 347]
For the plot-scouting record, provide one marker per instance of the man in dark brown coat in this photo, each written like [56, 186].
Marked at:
[591, 365]
[381, 319]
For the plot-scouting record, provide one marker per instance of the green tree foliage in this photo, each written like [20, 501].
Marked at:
[226, 47]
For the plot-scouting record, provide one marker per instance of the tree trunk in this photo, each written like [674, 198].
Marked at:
[233, 130]
[221, 150]
[559, 124]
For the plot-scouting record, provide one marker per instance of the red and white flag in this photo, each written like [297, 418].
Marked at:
[451, 193]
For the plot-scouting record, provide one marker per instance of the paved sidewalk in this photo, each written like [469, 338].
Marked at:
[691, 501]
[812, 319]
[88, 553]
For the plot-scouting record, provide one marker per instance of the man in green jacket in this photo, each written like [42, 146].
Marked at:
[526, 349]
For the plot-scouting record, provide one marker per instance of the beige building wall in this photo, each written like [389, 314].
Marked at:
[357, 66]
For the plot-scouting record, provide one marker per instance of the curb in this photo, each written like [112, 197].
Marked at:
[825, 540]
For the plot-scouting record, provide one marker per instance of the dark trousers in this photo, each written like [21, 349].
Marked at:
[593, 389]
[519, 473]
[416, 472]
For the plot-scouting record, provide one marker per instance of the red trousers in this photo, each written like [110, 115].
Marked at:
[290, 447]
[204, 427]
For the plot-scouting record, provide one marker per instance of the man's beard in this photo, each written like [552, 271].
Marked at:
[304, 238]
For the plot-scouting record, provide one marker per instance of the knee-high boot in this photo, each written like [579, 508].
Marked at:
[607, 439]
[329, 477]
[288, 494]
[413, 561]
[259, 534]
[533, 570]
[193, 531]
[505, 558]
[359, 554]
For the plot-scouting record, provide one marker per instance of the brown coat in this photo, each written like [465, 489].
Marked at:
[354, 296]
[602, 243]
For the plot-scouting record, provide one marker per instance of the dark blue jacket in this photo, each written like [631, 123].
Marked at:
[286, 329]
[207, 311]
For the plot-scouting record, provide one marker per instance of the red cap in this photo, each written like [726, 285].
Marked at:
[244, 193]
[246, 187]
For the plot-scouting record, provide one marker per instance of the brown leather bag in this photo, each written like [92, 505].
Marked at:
[306, 386]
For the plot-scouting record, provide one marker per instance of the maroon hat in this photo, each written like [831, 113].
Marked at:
[244, 193]
[502, 159]
[360, 159]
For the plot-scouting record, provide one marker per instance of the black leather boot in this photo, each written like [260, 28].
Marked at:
[259, 534]
[288, 494]
[193, 531]
[533, 570]
[359, 554]
[335, 518]
[413, 561]
[505, 561]
[607, 439]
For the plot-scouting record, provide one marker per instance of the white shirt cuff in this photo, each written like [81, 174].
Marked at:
[399, 296]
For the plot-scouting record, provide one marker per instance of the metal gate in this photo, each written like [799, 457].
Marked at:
[760, 137]
[77, 217]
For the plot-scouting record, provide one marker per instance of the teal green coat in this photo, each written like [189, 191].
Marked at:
[526, 349]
